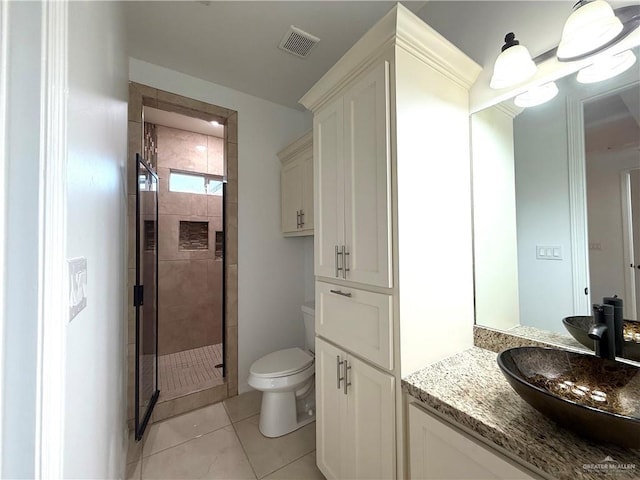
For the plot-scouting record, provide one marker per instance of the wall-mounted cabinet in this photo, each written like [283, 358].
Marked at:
[296, 186]
[355, 428]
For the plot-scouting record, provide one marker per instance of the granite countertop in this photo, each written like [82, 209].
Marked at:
[469, 388]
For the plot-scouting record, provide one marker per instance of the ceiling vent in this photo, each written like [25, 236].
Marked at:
[298, 42]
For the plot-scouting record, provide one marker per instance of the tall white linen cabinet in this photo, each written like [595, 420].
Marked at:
[393, 236]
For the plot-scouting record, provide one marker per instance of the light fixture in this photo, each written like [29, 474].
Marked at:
[537, 95]
[215, 123]
[513, 65]
[591, 25]
[607, 67]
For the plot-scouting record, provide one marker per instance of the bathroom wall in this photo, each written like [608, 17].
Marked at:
[270, 290]
[94, 424]
[604, 202]
[494, 219]
[190, 279]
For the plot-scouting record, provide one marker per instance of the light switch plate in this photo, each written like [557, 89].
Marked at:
[77, 285]
[548, 252]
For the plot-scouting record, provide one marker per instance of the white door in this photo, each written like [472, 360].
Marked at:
[307, 193]
[328, 152]
[371, 422]
[331, 411]
[367, 167]
[291, 186]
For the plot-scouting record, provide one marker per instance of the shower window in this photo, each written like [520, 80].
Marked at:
[183, 182]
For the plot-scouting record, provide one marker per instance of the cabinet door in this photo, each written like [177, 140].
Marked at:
[331, 405]
[328, 176]
[371, 422]
[367, 170]
[438, 451]
[307, 193]
[291, 188]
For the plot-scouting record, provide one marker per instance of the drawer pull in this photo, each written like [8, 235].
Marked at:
[338, 292]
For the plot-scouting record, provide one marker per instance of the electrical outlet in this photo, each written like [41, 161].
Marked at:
[77, 285]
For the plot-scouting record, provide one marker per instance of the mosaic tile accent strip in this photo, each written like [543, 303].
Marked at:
[470, 390]
[194, 236]
[189, 371]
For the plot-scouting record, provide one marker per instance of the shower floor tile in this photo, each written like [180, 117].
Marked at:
[189, 371]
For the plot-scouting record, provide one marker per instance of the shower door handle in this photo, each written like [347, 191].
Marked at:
[338, 372]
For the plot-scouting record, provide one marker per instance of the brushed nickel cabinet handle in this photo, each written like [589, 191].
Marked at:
[338, 365]
[297, 218]
[345, 269]
[340, 292]
[347, 383]
[338, 267]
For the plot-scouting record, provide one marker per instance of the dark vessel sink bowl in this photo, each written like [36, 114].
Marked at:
[594, 397]
[578, 327]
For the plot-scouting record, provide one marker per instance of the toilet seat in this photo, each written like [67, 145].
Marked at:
[281, 363]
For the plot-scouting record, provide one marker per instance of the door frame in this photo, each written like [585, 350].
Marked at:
[141, 96]
[576, 153]
[53, 313]
[4, 43]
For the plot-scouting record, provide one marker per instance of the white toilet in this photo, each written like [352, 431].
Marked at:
[286, 379]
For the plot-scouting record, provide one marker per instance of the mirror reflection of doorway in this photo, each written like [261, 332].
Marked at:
[612, 152]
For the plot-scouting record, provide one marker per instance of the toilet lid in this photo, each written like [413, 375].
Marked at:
[281, 363]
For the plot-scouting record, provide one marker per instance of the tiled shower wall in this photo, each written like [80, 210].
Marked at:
[190, 280]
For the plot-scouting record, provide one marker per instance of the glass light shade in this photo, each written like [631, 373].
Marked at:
[607, 67]
[513, 66]
[537, 95]
[589, 27]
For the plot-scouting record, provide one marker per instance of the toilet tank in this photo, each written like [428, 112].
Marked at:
[309, 317]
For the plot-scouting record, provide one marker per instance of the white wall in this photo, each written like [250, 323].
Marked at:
[95, 423]
[494, 219]
[22, 196]
[607, 266]
[271, 268]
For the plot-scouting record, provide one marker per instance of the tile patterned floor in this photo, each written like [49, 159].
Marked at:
[189, 371]
[222, 441]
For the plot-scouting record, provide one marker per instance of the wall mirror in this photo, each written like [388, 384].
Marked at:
[556, 192]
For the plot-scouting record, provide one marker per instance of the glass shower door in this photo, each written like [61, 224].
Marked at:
[145, 295]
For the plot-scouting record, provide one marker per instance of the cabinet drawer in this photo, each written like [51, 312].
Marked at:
[357, 320]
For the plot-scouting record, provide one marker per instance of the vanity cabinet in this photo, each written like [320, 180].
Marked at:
[438, 451]
[296, 187]
[353, 180]
[393, 244]
[355, 416]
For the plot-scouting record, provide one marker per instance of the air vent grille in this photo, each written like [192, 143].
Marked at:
[298, 42]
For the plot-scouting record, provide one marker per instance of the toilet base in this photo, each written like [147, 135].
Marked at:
[279, 415]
